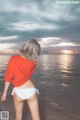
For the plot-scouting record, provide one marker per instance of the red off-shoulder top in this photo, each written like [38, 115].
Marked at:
[19, 70]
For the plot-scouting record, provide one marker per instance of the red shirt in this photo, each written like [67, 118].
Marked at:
[19, 70]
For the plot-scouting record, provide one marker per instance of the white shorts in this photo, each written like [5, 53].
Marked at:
[25, 93]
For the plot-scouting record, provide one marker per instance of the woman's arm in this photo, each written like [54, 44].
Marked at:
[3, 98]
[7, 77]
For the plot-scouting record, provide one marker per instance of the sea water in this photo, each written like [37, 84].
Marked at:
[58, 79]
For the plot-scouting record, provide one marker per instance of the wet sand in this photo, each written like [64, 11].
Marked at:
[49, 110]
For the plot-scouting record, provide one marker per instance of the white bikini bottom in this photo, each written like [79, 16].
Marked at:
[25, 93]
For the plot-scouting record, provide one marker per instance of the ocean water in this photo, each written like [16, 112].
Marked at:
[58, 79]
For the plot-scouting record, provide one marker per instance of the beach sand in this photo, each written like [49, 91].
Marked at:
[48, 110]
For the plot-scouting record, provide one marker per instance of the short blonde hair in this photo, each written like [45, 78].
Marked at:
[30, 49]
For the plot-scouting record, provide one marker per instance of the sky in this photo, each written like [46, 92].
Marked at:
[55, 23]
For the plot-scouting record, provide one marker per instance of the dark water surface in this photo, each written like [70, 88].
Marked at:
[58, 79]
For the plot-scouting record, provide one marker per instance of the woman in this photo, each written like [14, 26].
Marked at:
[19, 71]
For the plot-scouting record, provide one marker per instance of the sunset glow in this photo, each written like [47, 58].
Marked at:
[67, 52]
[67, 44]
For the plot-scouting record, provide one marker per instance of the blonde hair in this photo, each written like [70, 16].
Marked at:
[31, 49]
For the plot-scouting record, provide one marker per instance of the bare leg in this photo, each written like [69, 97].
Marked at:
[33, 106]
[18, 103]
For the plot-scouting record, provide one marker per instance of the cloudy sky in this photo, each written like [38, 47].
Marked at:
[56, 22]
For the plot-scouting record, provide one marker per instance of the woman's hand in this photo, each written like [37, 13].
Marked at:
[3, 97]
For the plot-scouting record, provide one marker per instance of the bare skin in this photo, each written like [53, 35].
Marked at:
[27, 84]
[3, 97]
[32, 103]
[18, 102]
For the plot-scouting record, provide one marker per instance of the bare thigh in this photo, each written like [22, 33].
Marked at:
[33, 106]
[18, 103]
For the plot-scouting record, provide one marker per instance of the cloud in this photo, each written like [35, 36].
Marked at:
[56, 42]
[40, 18]
[68, 44]
[39, 10]
[8, 37]
[25, 26]
[7, 46]
[7, 43]
[47, 42]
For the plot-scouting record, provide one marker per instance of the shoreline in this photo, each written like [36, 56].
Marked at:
[49, 110]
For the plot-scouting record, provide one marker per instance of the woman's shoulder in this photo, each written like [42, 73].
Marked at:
[13, 57]
[20, 58]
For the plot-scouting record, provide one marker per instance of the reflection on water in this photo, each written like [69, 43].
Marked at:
[58, 78]
[65, 62]
[66, 68]
[53, 67]
[3, 62]
[48, 65]
[59, 70]
[53, 70]
[45, 62]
